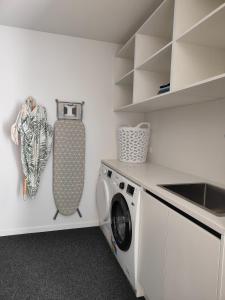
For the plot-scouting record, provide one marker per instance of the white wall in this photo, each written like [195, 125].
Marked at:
[48, 66]
[191, 139]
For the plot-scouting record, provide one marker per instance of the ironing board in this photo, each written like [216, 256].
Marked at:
[68, 165]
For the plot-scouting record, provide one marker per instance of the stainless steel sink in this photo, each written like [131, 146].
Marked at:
[209, 197]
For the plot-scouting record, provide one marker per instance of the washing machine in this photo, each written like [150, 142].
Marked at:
[125, 221]
[104, 193]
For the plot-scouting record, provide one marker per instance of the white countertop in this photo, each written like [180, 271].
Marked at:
[149, 176]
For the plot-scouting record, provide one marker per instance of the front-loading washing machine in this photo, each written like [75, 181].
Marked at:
[104, 193]
[125, 221]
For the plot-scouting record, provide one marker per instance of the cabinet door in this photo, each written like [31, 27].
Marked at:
[153, 229]
[192, 261]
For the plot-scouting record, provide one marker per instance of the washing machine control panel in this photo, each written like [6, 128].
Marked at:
[106, 172]
[122, 185]
[117, 180]
[130, 190]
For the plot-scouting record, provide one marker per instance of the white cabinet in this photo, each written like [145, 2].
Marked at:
[153, 229]
[191, 262]
[179, 260]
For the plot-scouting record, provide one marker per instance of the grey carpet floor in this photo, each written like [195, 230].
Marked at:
[62, 265]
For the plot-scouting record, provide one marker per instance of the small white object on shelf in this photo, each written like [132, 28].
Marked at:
[133, 143]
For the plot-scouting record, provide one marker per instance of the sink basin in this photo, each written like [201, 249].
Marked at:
[209, 197]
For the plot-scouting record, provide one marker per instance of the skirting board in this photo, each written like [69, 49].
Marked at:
[35, 229]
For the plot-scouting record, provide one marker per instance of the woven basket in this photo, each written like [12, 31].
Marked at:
[133, 143]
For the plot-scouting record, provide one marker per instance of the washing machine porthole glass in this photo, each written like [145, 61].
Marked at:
[121, 222]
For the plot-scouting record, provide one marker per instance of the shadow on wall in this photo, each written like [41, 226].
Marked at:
[15, 149]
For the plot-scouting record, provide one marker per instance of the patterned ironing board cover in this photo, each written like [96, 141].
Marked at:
[68, 165]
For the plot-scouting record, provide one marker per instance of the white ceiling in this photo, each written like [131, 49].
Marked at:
[105, 20]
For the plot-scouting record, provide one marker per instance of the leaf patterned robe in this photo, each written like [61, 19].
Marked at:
[36, 143]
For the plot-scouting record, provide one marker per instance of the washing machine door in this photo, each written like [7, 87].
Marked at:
[103, 200]
[121, 222]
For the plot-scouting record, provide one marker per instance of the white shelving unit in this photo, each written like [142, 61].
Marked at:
[152, 73]
[124, 62]
[208, 31]
[206, 90]
[155, 33]
[127, 51]
[159, 61]
[126, 79]
[124, 74]
[191, 56]
[189, 13]
[199, 53]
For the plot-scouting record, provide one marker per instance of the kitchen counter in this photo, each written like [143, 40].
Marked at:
[149, 176]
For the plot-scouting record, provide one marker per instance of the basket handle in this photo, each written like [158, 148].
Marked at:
[143, 124]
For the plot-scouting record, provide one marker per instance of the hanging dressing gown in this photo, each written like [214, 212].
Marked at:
[36, 137]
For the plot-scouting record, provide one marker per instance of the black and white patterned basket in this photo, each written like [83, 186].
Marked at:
[133, 143]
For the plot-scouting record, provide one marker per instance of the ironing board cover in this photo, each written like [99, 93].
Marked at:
[68, 165]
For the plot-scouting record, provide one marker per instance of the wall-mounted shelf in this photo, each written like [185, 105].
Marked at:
[160, 23]
[126, 79]
[191, 57]
[127, 51]
[147, 84]
[158, 62]
[207, 90]
[190, 13]
[208, 31]
[155, 33]
[124, 61]
[199, 53]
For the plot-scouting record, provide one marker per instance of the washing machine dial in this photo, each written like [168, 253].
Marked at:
[122, 185]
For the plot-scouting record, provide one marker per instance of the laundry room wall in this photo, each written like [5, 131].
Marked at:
[49, 66]
[191, 139]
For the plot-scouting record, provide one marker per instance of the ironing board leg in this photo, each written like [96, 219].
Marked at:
[56, 214]
[79, 213]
